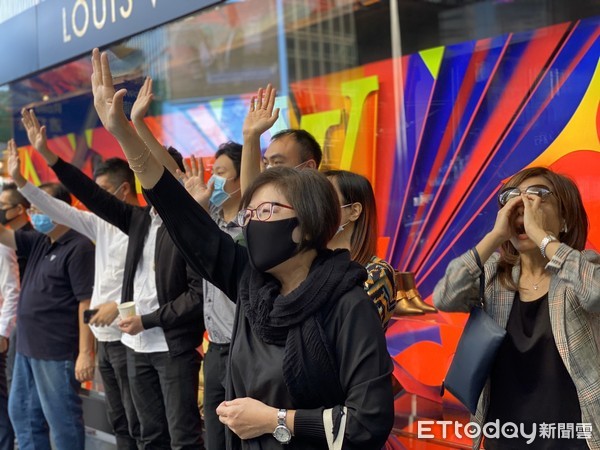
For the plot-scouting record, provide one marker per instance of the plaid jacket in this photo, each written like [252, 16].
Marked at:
[574, 304]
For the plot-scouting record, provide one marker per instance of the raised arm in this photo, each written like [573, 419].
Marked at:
[261, 116]
[204, 246]
[84, 222]
[96, 199]
[138, 112]
[109, 106]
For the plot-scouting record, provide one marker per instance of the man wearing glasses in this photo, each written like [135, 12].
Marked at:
[288, 148]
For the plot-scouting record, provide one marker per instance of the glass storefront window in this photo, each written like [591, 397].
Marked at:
[436, 102]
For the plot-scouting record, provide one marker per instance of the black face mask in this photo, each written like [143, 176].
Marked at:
[3, 219]
[270, 243]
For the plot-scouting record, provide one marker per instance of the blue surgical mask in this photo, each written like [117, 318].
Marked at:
[42, 223]
[219, 196]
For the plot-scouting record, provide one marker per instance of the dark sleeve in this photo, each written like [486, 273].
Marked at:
[211, 252]
[187, 307]
[97, 200]
[365, 373]
[81, 269]
[25, 241]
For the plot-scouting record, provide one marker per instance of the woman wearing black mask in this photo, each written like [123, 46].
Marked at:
[307, 346]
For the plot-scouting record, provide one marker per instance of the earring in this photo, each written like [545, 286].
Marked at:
[564, 228]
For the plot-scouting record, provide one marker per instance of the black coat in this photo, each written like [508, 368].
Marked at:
[178, 287]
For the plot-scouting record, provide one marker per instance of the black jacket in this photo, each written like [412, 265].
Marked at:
[353, 324]
[179, 288]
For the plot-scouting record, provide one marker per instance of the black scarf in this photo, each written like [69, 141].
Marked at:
[310, 368]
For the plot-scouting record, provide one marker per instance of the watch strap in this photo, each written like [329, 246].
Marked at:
[281, 417]
[547, 239]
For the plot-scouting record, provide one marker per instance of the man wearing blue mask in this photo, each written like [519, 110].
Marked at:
[114, 176]
[221, 198]
[55, 349]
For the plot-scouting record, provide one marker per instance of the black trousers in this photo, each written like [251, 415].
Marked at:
[165, 394]
[7, 435]
[112, 364]
[215, 370]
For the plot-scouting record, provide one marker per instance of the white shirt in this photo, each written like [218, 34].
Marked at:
[9, 289]
[111, 247]
[145, 296]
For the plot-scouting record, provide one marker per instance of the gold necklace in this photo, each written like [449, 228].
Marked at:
[536, 286]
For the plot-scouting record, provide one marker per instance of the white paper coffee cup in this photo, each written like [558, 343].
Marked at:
[126, 309]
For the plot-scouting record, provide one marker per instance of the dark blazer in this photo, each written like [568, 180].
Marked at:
[179, 288]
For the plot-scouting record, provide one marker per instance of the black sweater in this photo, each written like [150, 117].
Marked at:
[255, 368]
[178, 287]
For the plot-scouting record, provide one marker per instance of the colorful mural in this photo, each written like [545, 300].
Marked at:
[437, 133]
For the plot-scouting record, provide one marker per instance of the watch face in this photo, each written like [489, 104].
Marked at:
[282, 434]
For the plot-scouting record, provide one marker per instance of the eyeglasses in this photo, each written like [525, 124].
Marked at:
[508, 194]
[262, 212]
[33, 210]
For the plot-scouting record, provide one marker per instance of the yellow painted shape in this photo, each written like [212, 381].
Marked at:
[281, 124]
[89, 134]
[27, 167]
[357, 91]
[433, 60]
[216, 106]
[138, 185]
[72, 140]
[319, 123]
[580, 133]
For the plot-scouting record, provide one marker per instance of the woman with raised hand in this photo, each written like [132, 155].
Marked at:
[544, 288]
[307, 347]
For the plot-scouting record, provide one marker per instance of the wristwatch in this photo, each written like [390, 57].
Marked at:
[549, 238]
[282, 433]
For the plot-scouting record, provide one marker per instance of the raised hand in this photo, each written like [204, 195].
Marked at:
[504, 225]
[142, 102]
[193, 180]
[535, 220]
[262, 114]
[35, 133]
[14, 164]
[108, 103]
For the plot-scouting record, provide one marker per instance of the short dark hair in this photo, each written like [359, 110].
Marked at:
[309, 147]
[177, 156]
[233, 151]
[58, 191]
[117, 170]
[311, 195]
[16, 198]
[357, 189]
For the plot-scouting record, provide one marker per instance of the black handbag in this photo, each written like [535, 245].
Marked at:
[475, 353]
